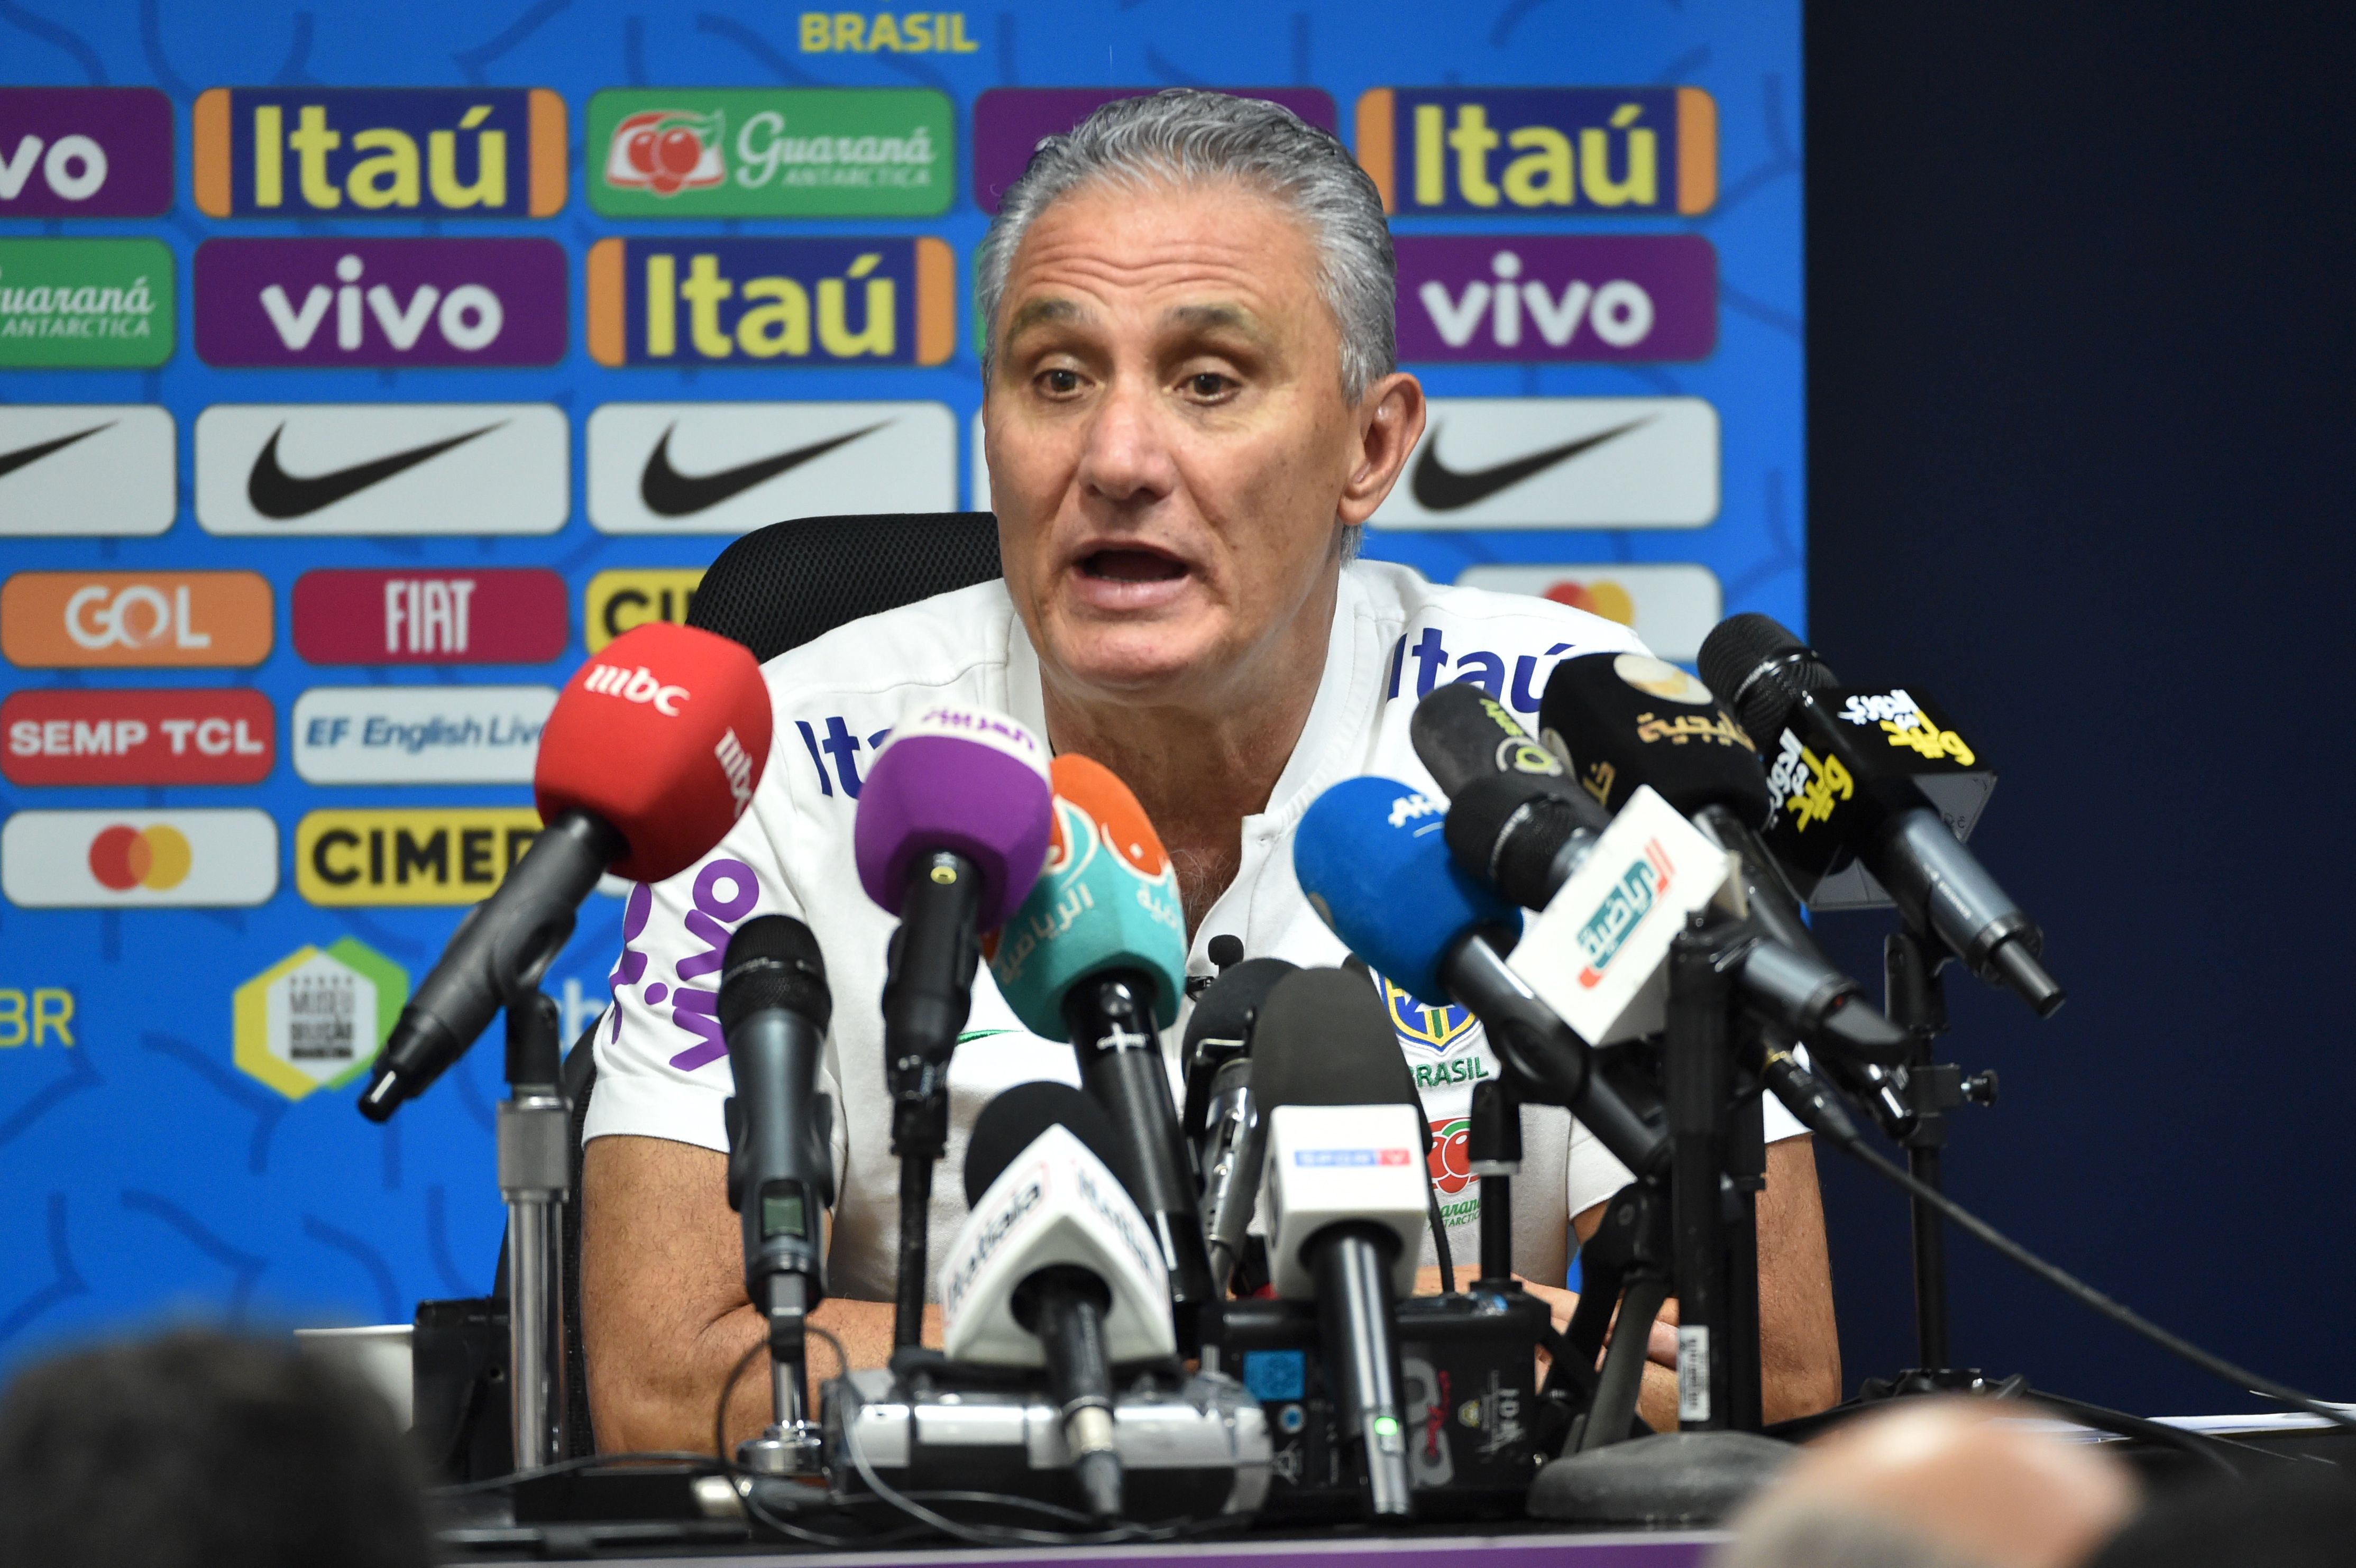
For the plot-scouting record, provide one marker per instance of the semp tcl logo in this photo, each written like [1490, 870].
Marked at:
[79, 620]
[640, 685]
[187, 735]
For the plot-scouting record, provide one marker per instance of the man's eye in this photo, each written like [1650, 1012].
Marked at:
[1208, 385]
[1059, 383]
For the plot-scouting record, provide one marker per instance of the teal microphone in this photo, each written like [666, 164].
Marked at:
[1097, 954]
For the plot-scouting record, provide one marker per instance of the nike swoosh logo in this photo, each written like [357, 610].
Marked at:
[669, 493]
[1439, 487]
[11, 461]
[279, 495]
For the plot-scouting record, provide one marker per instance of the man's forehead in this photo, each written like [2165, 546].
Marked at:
[1211, 316]
[1201, 259]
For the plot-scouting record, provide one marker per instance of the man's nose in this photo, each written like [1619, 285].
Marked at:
[1126, 458]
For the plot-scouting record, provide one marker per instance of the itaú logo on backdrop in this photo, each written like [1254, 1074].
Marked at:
[640, 685]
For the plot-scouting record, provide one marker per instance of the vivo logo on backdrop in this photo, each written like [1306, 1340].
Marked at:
[381, 302]
[84, 152]
[1611, 298]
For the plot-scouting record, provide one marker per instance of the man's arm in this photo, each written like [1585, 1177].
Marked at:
[663, 1314]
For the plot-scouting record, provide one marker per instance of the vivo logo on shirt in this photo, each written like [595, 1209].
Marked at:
[1519, 297]
[381, 302]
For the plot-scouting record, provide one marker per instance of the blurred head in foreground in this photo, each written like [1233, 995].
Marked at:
[1936, 1483]
[196, 1449]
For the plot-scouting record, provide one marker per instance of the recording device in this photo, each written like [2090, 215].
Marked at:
[1855, 765]
[1055, 1267]
[952, 826]
[1348, 1190]
[1221, 1115]
[773, 1006]
[1370, 856]
[1097, 954]
[1468, 740]
[690, 713]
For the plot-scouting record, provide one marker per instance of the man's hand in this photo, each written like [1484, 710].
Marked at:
[663, 1314]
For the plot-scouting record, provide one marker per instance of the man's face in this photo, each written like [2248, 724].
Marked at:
[1169, 446]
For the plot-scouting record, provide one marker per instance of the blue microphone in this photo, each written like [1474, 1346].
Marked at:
[1373, 859]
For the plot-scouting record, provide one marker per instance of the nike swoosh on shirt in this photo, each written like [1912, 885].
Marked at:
[279, 495]
[11, 461]
[669, 493]
[1439, 487]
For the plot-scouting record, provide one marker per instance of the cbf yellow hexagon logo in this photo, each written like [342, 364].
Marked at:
[1421, 1024]
[317, 1017]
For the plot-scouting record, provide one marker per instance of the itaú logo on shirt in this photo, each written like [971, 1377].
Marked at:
[640, 685]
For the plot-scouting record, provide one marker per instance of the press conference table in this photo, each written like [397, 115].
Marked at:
[1519, 1544]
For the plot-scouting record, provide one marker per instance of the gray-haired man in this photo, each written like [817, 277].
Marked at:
[1192, 408]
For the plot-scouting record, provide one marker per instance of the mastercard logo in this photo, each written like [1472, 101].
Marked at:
[1600, 596]
[157, 857]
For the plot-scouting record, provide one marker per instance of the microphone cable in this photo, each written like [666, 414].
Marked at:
[1852, 1142]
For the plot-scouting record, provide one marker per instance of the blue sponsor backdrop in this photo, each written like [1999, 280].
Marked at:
[141, 1171]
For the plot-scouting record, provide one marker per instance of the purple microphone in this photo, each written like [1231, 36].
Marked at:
[952, 830]
[960, 782]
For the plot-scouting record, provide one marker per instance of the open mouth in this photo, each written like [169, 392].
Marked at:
[1132, 564]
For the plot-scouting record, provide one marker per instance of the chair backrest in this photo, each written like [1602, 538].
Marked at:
[782, 585]
[774, 589]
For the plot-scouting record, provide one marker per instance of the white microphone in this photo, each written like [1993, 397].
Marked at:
[1346, 1187]
[1056, 1267]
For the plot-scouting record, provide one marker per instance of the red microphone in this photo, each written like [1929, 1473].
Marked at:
[651, 755]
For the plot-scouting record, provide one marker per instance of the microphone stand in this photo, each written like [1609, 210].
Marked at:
[536, 1178]
[1701, 1236]
[1917, 1002]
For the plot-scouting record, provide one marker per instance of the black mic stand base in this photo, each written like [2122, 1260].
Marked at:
[1671, 1478]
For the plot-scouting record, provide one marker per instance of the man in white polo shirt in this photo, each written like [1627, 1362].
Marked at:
[1192, 408]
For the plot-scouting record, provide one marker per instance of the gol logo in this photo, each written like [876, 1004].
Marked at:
[157, 857]
[640, 685]
[81, 619]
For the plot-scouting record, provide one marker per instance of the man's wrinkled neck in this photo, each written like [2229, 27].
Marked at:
[1200, 764]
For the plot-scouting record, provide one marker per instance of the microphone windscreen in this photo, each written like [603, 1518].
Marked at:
[663, 735]
[1107, 901]
[1756, 665]
[1012, 1122]
[1370, 856]
[1630, 719]
[1324, 1039]
[773, 960]
[1463, 734]
[960, 780]
[1225, 1011]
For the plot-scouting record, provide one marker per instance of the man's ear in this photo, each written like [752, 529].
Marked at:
[1389, 422]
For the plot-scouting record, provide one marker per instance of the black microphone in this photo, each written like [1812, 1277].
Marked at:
[1834, 766]
[1344, 1220]
[1064, 1303]
[773, 1006]
[1221, 1117]
[1627, 722]
[1462, 736]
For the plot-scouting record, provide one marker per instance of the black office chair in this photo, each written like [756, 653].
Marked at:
[772, 590]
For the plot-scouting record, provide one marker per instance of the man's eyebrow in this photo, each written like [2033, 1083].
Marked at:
[1210, 317]
[1039, 313]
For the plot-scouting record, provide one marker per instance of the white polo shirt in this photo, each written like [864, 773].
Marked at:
[662, 1067]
